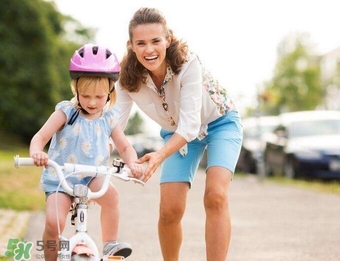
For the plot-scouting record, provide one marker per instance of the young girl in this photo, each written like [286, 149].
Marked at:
[80, 130]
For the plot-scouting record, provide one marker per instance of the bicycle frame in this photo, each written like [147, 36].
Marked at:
[82, 194]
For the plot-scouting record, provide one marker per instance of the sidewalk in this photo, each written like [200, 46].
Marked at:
[270, 222]
[13, 225]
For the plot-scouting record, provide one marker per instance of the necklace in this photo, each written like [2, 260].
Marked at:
[165, 105]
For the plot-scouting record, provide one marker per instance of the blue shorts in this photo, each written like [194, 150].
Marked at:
[223, 144]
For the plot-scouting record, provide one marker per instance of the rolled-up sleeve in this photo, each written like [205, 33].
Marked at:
[190, 101]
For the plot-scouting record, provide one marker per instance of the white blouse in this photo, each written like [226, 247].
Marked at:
[191, 100]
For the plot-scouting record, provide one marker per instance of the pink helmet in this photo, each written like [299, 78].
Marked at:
[94, 60]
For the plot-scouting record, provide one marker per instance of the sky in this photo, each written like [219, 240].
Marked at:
[236, 40]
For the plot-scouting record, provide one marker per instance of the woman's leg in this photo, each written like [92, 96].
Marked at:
[50, 235]
[172, 207]
[223, 149]
[218, 225]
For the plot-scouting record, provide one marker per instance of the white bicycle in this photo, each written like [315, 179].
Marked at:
[79, 210]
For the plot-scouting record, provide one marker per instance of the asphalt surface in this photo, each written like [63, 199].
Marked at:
[270, 222]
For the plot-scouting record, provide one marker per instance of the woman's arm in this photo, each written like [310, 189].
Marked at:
[154, 159]
[124, 103]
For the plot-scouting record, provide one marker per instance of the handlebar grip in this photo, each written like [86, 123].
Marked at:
[23, 161]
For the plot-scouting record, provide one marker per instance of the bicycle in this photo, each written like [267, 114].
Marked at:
[79, 209]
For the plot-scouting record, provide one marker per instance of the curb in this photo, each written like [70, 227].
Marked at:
[13, 224]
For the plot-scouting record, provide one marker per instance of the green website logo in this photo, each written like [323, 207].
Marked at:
[18, 249]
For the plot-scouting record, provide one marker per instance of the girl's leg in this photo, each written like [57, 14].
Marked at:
[218, 224]
[172, 207]
[109, 215]
[50, 235]
[109, 218]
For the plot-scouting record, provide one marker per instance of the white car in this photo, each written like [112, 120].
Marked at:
[255, 130]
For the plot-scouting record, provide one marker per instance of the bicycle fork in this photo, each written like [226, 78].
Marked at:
[79, 212]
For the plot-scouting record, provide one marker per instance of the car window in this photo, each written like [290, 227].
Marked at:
[315, 127]
[253, 132]
[250, 132]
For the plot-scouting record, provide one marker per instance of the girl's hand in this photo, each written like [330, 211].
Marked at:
[137, 170]
[40, 158]
[154, 160]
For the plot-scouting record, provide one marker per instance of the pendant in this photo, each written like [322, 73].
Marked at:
[165, 106]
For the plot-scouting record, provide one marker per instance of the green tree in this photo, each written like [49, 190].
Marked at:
[331, 83]
[296, 83]
[134, 125]
[34, 62]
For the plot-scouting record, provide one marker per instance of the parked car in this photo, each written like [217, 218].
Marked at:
[143, 143]
[305, 144]
[254, 131]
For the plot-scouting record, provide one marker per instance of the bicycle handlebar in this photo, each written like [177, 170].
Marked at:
[120, 172]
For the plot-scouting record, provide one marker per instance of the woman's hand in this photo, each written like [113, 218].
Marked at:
[40, 158]
[154, 160]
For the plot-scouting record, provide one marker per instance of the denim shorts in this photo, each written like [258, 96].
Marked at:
[223, 145]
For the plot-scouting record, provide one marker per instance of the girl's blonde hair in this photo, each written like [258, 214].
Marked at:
[83, 83]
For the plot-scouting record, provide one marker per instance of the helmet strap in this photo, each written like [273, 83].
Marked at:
[76, 114]
[73, 117]
[79, 105]
[111, 90]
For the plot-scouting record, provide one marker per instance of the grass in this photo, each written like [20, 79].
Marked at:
[318, 185]
[325, 186]
[19, 189]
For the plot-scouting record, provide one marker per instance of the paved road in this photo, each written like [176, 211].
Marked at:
[270, 222]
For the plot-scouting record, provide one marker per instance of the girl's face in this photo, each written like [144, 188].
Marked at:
[93, 96]
[149, 43]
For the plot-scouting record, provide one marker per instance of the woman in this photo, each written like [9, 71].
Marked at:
[169, 84]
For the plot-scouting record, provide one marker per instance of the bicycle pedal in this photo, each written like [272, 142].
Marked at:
[112, 258]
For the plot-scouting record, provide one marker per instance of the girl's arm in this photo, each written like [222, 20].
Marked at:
[55, 122]
[126, 151]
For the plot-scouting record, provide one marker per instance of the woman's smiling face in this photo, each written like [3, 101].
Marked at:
[149, 43]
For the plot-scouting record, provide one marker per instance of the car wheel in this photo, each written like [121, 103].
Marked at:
[290, 170]
[248, 165]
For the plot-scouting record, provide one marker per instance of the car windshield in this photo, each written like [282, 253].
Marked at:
[314, 127]
[253, 132]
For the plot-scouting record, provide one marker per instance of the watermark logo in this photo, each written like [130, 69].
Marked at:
[18, 249]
